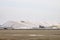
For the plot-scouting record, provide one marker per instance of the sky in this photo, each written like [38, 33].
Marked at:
[40, 11]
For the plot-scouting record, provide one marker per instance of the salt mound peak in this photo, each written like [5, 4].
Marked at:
[19, 25]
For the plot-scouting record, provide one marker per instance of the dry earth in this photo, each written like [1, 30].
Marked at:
[29, 34]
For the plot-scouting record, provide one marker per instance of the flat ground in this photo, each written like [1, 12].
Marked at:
[29, 34]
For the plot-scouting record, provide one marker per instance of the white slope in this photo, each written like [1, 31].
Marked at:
[20, 25]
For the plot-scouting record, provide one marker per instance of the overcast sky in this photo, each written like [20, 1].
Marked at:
[30, 10]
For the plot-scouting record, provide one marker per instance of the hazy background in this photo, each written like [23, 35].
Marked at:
[44, 11]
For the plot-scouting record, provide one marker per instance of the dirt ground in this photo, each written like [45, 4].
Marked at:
[29, 34]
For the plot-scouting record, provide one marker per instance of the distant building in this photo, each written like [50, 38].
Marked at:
[40, 26]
